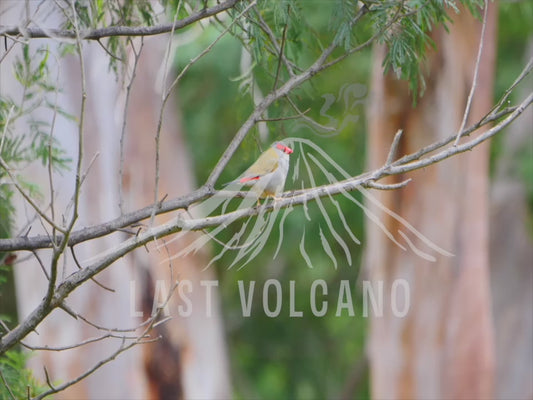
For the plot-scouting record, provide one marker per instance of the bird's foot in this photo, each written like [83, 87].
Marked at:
[275, 200]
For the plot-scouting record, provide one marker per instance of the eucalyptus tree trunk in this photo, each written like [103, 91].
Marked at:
[443, 347]
[190, 361]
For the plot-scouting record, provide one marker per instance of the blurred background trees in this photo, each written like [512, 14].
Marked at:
[460, 318]
[444, 347]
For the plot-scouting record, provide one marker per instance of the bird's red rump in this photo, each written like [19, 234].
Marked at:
[248, 179]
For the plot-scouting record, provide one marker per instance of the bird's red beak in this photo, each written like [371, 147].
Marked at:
[285, 149]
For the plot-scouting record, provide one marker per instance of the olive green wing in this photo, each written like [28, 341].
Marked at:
[265, 164]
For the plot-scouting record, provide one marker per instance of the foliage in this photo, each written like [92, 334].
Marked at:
[408, 39]
[20, 382]
[35, 143]
[403, 26]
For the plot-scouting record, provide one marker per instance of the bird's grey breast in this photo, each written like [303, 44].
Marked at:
[283, 163]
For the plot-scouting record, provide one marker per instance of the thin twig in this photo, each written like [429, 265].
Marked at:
[398, 168]
[41, 264]
[4, 132]
[7, 386]
[476, 72]
[6, 328]
[63, 306]
[108, 52]
[362, 11]
[394, 147]
[50, 154]
[137, 55]
[386, 186]
[525, 72]
[278, 49]
[91, 370]
[48, 381]
[165, 96]
[24, 29]
[302, 115]
[284, 118]
[82, 180]
[79, 344]
[141, 339]
[27, 197]
[117, 330]
[8, 49]
[281, 50]
[75, 258]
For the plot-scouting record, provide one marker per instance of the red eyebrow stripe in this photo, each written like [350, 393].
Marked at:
[285, 149]
[246, 179]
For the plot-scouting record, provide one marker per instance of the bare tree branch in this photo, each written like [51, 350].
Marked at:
[93, 232]
[143, 338]
[123, 347]
[289, 199]
[183, 202]
[398, 167]
[99, 33]
[78, 344]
